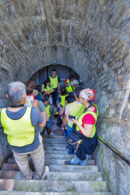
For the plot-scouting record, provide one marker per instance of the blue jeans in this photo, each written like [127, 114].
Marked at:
[70, 147]
[69, 130]
[49, 123]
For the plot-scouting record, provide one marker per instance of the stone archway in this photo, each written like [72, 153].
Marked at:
[91, 37]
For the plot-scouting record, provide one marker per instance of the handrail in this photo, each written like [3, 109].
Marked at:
[114, 150]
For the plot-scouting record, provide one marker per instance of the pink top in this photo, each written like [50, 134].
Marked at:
[88, 119]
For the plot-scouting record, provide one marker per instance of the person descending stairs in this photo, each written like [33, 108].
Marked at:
[60, 180]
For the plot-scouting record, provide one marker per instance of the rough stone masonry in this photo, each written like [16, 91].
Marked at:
[93, 38]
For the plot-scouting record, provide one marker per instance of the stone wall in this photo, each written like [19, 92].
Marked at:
[91, 37]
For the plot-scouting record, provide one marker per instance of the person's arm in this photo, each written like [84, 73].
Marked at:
[36, 117]
[86, 130]
[59, 81]
[43, 111]
[64, 120]
[44, 114]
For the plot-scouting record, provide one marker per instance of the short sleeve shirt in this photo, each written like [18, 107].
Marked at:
[36, 118]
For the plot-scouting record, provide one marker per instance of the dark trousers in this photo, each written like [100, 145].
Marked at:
[87, 146]
[54, 96]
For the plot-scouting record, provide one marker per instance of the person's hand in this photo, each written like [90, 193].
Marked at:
[74, 121]
[35, 104]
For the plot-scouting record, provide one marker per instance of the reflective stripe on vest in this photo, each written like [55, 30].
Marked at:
[19, 132]
[63, 100]
[81, 118]
[54, 82]
[75, 110]
[47, 108]
[69, 87]
[47, 88]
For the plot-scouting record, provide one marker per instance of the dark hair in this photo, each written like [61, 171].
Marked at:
[38, 87]
[71, 76]
[53, 70]
[63, 91]
[68, 99]
[29, 90]
[77, 91]
[45, 82]
[46, 97]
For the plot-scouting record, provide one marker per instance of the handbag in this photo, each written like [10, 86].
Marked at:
[74, 140]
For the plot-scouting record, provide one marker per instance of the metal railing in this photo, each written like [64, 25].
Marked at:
[114, 150]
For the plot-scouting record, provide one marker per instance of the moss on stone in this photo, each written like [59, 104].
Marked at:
[107, 177]
[71, 189]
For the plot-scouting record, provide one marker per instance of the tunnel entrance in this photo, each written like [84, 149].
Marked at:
[62, 71]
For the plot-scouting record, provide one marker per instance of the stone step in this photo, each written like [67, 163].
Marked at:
[52, 186]
[49, 151]
[56, 137]
[55, 161]
[62, 161]
[13, 167]
[52, 193]
[55, 148]
[56, 176]
[73, 168]
[61, 156]
[74, 176]
[52, 156]
[55, 168]
[55, 141]
[55, 145]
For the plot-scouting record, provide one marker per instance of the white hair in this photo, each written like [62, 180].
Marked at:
[16, 91]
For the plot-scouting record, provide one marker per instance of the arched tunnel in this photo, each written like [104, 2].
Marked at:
[90, 37]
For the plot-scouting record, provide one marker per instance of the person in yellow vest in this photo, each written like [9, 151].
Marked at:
[75, 84]
[68, 86]
[61, 102]
[55, 85]
[50, 111]
[85, 128]
[19, 123]
[46, 88]
[72, 110]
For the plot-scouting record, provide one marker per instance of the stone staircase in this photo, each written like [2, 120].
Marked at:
[61, 179]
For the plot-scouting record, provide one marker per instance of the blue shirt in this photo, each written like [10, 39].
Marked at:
[36, 118]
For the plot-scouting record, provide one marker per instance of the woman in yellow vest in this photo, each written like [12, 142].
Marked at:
[46, 88]
[85, 128]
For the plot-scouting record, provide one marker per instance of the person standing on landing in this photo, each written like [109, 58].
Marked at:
[55, 84]
[19, 123]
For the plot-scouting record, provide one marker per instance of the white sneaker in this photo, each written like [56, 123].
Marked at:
[45, 172]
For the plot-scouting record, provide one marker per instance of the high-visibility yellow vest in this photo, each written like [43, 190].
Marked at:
[75, 110]
[47, 108]
[63, 100]
[73, 87]
[47, 88]
[19, 132]
[96, 108]
[54, 82]
[81, 118]
[69, 87]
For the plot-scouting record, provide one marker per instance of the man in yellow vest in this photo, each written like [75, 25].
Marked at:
[19, 123]
[55, 84]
